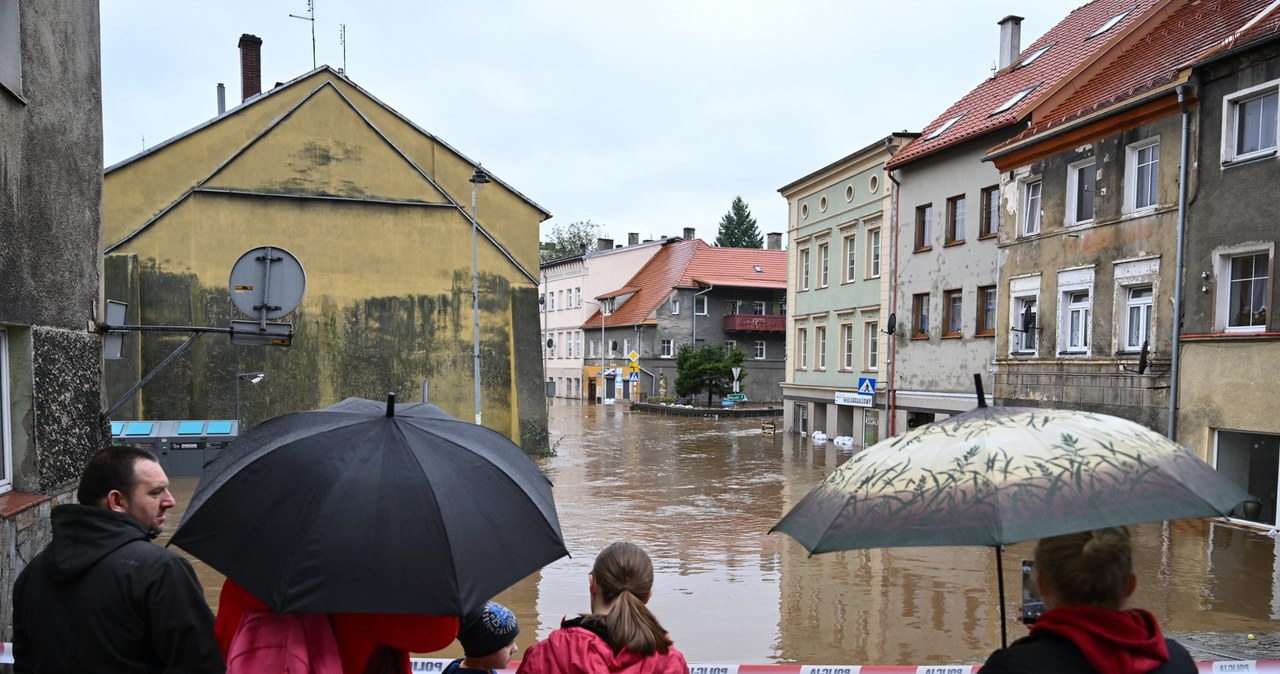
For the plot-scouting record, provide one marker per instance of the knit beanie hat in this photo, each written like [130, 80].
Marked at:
[488, 630]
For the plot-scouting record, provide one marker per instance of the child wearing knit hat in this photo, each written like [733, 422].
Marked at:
[488, 639]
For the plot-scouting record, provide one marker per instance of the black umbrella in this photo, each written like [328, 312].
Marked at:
[370, 508]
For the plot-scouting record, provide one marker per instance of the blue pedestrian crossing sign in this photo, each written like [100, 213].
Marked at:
[635, 376]
[866, 386]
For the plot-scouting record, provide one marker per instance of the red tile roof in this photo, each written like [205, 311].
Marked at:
[1072, 48]
[1192, 30]
[689, 264]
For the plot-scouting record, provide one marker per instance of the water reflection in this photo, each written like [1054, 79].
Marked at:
[700, 495]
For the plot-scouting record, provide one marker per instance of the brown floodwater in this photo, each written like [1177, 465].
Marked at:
[700, 495]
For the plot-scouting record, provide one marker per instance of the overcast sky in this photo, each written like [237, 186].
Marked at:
[644, 117]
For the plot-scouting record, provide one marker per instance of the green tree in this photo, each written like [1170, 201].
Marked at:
[706, 368]
[738, 229]
[568, 240]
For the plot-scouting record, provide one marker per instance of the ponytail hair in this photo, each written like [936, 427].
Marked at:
[1089, 568]
[623, 574]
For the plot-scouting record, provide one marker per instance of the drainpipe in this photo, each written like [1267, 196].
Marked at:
[694, 308]
[891, 402]
[1182, 90]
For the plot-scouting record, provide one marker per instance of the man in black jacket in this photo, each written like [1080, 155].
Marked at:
[101, 597]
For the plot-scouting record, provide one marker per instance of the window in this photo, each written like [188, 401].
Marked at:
[943, 129]
[1249, 123]
[667, 347]
[924, 220]
[1026, 325]
[849, 259]
[758, 308]
[551, 301]
[1142, 175]
[990, 212]
[675, 304]
[1076, 306]
[1137, 326]
[1031, 58]
[6, 461]
[820, 347]
[986, 325]
[10, 52]
[955, 220]
[730, 345]
[952, 306]
[700, 305]
[577, 345]
[920, 309]
[804, 269]
[872, 345]
[873, 253]
[1014, 100]
[846, 346]
[593, 348]
[732, 307]
[824, 266]
[1111, 23]
[1246, 293]
[759, 355]
[802, 349]
[1031, 208]
[577, 298]
[1081, 177]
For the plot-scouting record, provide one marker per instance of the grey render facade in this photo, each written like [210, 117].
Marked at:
[50, 233]
[1230, 342]
[838, 255]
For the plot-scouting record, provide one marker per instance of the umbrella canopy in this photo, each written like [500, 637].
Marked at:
[372, 508]
[1000, 475]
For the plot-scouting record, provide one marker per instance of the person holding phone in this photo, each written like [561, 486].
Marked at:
[1084, 580]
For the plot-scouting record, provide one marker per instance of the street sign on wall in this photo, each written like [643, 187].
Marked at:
[854, 398]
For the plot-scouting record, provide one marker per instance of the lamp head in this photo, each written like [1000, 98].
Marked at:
[479, 178]
[253, 377]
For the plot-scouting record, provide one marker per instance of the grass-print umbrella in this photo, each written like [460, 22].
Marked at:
[1000, 475]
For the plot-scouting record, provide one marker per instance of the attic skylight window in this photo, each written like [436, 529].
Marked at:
[1014, 99]
[946, 125]
[758, 268]
[1111, 23]
[1035, 55]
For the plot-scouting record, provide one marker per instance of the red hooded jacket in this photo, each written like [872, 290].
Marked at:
[1075, 638]
[578, 650]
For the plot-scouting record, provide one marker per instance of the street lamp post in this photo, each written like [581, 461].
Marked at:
[253, 377]
[478, 180]
[602, 315]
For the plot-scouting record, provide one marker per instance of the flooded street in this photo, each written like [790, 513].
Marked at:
[700, 495]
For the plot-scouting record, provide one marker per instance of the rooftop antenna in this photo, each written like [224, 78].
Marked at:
[342, 37]
[311, 11]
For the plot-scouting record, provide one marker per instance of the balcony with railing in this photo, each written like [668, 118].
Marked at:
[754, 323]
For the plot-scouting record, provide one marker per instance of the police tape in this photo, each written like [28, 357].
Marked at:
[436, 665]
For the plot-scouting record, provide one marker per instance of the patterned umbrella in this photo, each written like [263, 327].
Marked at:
[1000, 475]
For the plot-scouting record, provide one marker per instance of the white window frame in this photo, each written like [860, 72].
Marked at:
[1222, 312]
[1022, 290]
[730, 345]
[1032, 207]
[759, 308]
[760, 349]
[824, 265]
[551, 301]
[668, 347]
[850, 259]
[1144, 306]
[675, 304]
[820, 348]
[803, 268]
[1231, 122]
[1075, 311]
[847, 346]
[1131, 177]
[6, 432]
[700, 310]
[1074, 171]
[873, 252]
[871, 345]
[802, 348]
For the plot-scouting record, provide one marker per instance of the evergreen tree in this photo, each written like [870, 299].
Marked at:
[706, 368]
[568, 240]
[738, 229]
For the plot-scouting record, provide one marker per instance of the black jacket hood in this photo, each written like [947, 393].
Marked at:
[83, 534]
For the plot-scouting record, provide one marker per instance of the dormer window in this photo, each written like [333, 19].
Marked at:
[1014, 100]
[1111, 23]
[946, 125]
[1031, 58]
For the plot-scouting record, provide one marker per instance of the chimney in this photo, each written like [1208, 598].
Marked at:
[774, 241]
[250, 66]
[688, 233]
[222, 99]
[1010, 40]
[604, 244]
[633, 238]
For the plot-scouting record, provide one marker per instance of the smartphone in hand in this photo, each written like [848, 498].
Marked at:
[1032, 604]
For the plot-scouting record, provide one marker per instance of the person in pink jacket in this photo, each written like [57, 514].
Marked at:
[620, 635]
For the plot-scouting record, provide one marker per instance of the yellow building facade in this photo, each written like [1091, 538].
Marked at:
[377, 211]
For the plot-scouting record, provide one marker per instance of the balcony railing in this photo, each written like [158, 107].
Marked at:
[754, 323]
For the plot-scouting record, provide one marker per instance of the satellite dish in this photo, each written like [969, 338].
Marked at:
[267, 283]
[893, 324]
[550, 343]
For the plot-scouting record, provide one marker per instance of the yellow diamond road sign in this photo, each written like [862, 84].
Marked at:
[633, 356]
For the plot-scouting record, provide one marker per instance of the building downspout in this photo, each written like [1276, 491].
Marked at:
[891, 401]
[1177, 275]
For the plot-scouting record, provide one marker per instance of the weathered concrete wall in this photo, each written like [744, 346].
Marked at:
[1231, 385]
